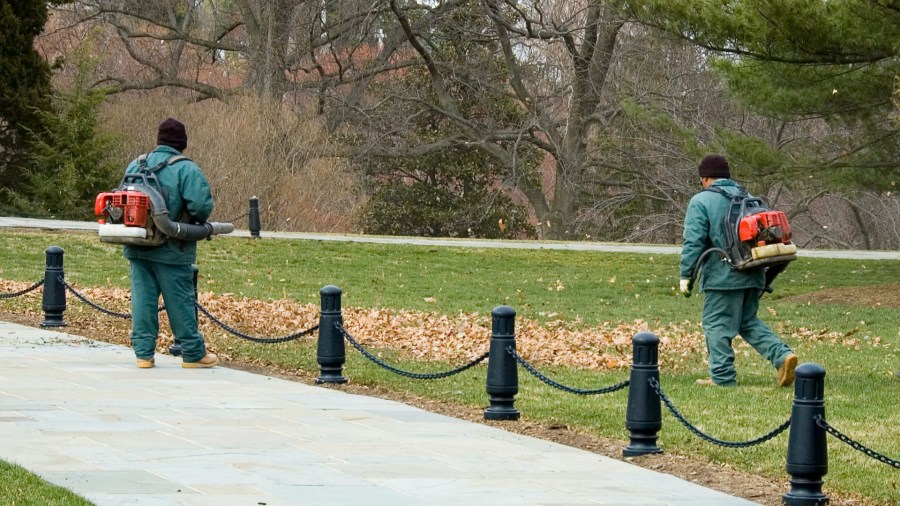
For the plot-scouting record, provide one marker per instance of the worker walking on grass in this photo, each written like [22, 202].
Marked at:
[731, 297]
[166, 269]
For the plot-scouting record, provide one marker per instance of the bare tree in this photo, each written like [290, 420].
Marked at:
[618, 114]
[177, 43]
[594, 121]
[555, 114]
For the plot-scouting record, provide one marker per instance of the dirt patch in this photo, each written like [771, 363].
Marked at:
[869, 296]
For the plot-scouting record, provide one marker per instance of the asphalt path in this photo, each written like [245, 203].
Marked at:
[654, 249]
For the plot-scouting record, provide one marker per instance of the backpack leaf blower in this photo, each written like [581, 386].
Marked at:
[756, 237]
[136, 212]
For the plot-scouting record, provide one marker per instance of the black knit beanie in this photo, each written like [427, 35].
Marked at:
[714, 166]
[172, 133]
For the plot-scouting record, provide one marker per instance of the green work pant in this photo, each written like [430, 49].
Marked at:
[176, 284]
[727, 313]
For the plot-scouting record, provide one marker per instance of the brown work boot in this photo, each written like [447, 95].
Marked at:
[786, 371]
[146, 363]
[210, 360]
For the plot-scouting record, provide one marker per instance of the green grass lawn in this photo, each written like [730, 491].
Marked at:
[857, 344]
[20, 488]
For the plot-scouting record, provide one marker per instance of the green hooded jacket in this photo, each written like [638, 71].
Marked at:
[704, 228]
[186, 189]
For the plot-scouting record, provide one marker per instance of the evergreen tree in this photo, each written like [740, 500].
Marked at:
[835, 61]
[69, 158]
[24, 85]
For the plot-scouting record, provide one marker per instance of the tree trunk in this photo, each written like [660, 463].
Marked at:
[268, 32]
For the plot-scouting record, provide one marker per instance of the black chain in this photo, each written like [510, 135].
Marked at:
[23, 292]
[820, 421]
[554, 384]
[232, 220]
[401, 372]
[84, 299]
[728, 444]
[261, 340]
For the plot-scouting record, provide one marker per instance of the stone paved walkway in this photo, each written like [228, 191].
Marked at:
[81, 415]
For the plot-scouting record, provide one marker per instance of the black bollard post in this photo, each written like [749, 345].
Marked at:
[253, 218]
[330, 352]
[807, 453]
[503, 372]
[643, 416]
[54, 300]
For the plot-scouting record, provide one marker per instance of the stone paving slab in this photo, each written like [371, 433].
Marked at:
[81, 415]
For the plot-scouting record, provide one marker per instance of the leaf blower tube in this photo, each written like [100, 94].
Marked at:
[772, 271]
[183, 231]
[722, 253]
[191, 232]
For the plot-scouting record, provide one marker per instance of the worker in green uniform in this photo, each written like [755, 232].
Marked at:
[731, 297]
[166, 269]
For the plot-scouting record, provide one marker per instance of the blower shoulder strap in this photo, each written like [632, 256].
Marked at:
[142, 163]
[742, 192]
[147, 175]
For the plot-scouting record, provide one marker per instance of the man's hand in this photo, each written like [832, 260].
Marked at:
[685, 287]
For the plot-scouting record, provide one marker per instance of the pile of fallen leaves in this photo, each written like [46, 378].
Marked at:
[417, 334]
[466, 335]
[420, 335]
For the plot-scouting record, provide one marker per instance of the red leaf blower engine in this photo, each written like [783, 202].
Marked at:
[766, 240]
[136, 214]
[755, 236]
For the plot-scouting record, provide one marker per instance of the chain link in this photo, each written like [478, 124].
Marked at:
[204, 311]
[413, 375]
[232, 220]
[654, 384]
[820, 421]
[23, 292]
[728, 444]
[554, 384]
[261, 340]
[84, 299]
